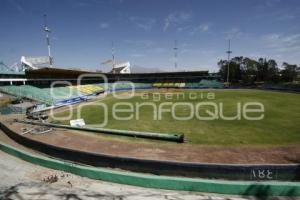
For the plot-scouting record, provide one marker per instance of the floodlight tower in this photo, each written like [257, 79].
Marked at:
[113, 54]
[228, 61]
[175, 54]
[48, 31]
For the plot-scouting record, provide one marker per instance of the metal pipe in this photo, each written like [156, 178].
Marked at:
[139, 134]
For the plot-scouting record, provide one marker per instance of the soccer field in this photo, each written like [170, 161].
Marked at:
[280, 124]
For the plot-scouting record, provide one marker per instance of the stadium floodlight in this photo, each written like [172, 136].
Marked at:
[175, 54]
[113, 54]
[48, 31]
[228, 61]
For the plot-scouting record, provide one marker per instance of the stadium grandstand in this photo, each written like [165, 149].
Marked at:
[37, 84]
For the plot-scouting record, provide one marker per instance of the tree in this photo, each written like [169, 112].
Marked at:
[261, 69]
[289, 73]
[223, 69]
[234, 69]
[249, 70]
[273, 71]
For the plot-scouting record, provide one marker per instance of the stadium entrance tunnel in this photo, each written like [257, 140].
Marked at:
[249, 172]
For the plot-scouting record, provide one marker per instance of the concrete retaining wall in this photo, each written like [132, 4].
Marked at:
[282, 172]
[162, 182]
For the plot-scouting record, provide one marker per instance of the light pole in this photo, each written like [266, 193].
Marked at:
[113, 55]
[47, 30]
[175, 54]
[228, 61]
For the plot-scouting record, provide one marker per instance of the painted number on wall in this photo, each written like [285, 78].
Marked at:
[262, 174]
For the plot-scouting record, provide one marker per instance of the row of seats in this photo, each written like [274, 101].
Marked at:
[143, 85]
[88, 89]
[210, 84]
[59, 93]
[125, 85]
[169, 84]
[180, 84]
[52, 95]
[28, 91]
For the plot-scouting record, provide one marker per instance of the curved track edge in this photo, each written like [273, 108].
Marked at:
[281, 172]
[269, 188]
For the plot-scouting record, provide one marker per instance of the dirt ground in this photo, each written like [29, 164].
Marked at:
[163, 151]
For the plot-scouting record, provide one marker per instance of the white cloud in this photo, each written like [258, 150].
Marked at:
[140, 43]
[200, 29]
[142, 22]
[176, 18]
[137, 55]
[271, 3]
[83, 4]
[271, 37]
[282, 42]
[158, 50]
[17, 5]
[233, 33]
[104, 25]
[286, 16]
[282, 46]
[54, 38]
[204, 28]
[197, 51]
[183, 28]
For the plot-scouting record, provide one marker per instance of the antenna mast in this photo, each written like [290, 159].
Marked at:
[48, 31]
[228, 61]
[175, 54]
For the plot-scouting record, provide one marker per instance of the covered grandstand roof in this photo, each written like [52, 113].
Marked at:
[5, 70]
[64, 74]
[55, 71]
[4, 67]
[117, 70]
[48, 70]
[12, 73]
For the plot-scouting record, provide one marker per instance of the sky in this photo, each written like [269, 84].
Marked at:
[144, 31]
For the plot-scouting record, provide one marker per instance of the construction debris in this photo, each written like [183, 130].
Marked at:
[51, 179]
[36, 130]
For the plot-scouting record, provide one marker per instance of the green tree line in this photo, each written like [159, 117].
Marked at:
[247, 70]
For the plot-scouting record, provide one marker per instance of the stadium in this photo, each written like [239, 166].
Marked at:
[162, 139]
[235, 131]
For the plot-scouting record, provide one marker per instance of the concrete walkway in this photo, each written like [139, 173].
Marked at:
[22, 180]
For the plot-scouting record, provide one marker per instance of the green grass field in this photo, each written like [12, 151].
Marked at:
[279, 126]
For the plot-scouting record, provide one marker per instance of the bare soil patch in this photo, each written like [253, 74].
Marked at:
[164, 151]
